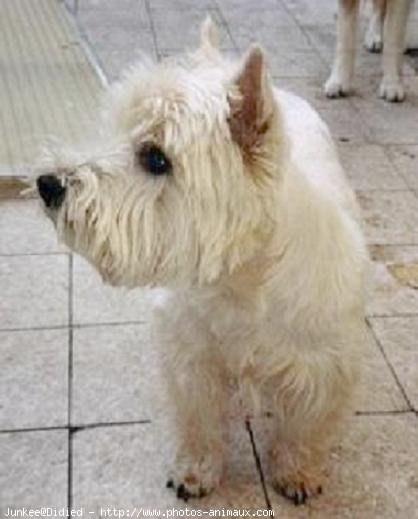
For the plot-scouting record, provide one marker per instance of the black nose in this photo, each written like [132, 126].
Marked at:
[51, 190]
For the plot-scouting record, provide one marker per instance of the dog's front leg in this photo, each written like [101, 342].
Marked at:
[373, 39]
[391, 87]
[312, 398]
[195, 391]
[339, 82]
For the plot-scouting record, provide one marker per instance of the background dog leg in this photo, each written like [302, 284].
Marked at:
[373, 39]
[197, 399]
[339, 82]
[391, 87]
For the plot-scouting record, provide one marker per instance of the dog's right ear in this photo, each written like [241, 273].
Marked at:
[252, 103]
[209, 38]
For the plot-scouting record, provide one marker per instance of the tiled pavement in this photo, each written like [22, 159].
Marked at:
[82, 418]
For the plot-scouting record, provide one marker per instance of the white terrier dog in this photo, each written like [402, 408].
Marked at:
[387, 28]
[230, 194]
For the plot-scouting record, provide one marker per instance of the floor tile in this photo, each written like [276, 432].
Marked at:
[387, 293]
[246, 5]
[288, 52]
[96, 13]
[389, 123]
[95, 302]
[308, 12]
[114, 37]
[34, 470]
[310, 89]
[390, 217]
[405, 160]
[118, 46]
[398, 337]
[379, 390]
[33, 386]
[25, 229]
[115, 61]
[296, 63]
[115, 375]
[368, 167]
[180, 30]
[245, 17]
[231, 54]
[127, 466]
[372, 474]
[182, 4]
[345, 123]
[260, 26]
[34, 291]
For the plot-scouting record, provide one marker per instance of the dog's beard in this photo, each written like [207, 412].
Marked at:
[120, 226]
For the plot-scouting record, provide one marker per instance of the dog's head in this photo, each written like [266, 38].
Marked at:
[180, 189]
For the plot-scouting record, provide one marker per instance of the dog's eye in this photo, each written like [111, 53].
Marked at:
[153, 160]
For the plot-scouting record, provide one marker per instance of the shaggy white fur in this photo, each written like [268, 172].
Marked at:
[254, 232]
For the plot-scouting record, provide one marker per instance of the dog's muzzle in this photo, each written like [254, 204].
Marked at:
[51, 191]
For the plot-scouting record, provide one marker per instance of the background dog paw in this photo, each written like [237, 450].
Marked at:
[392, 91]
[336, 87]
[373, 41]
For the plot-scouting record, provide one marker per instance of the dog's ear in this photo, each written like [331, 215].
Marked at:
[251, 101]
[209, 38]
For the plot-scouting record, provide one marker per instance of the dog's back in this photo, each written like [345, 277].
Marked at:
[312, 150]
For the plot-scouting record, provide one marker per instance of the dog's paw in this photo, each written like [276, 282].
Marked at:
[392, 91]
[185, 491]
[373, 40]
[195, 479]
[336, 87]
[297, 490]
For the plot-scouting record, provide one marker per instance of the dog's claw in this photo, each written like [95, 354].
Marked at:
[298, 494]
[182, 493]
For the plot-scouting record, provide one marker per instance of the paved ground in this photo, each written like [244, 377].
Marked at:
[82, 419]
[47, 85]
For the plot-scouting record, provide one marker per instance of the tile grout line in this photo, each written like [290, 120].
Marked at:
[379, 190]
[18, 254]
[87, 46]
[258, 463]
[70, 382]
[397, 169]
[394, 412]
[146, 421]
[70, 472]
[76, 428]
[302, 29]
[391, 368]
[81, 326]
[392, 316]
[34, 429]
[225, 23]
[152, 26]
[74, 326]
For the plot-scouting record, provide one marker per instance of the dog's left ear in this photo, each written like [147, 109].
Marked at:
[252, 102]
[209, 38]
